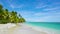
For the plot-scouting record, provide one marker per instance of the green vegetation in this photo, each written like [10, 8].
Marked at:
[9, 16]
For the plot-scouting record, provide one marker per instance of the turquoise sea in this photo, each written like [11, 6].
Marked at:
[52, 25]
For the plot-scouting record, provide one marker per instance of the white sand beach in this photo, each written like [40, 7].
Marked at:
[24, 29]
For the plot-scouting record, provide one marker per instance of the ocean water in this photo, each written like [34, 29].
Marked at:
[52, 25]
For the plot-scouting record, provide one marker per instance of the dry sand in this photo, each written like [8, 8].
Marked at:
[19, 29]
[25, 29]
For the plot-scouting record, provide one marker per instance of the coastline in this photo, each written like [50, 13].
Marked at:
[28, 29]
[43, 29]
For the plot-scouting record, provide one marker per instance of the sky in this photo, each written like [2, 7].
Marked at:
[35, 10]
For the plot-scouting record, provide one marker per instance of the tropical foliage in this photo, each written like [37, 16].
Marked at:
[10, 16]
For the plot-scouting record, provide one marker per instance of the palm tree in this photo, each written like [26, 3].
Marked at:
[21, 20]
[1, 13]
[13, 16]
[6, 16]
[1, 7]
[20, 16]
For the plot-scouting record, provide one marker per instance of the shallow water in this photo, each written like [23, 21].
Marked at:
[48, 27]
[52, 25]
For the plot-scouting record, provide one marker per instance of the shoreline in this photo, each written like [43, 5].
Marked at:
[29, 29]
[25, 29]
[43, 29]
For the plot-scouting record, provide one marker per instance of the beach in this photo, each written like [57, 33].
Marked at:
[25, 29]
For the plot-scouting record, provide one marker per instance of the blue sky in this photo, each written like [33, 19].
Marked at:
[35, 10]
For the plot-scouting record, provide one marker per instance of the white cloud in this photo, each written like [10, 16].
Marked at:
[49, 17]
[40, 5]
[26, 14]
[45, 19]
[14, 6]
[41, 19]
[46, 13]
[55, 8]
[40, 14]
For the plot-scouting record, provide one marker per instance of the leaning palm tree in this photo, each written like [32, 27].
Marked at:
[1, 13]
[13, 16]
[6, 16]
[20, 16]
[1, 7]
[21, 20]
